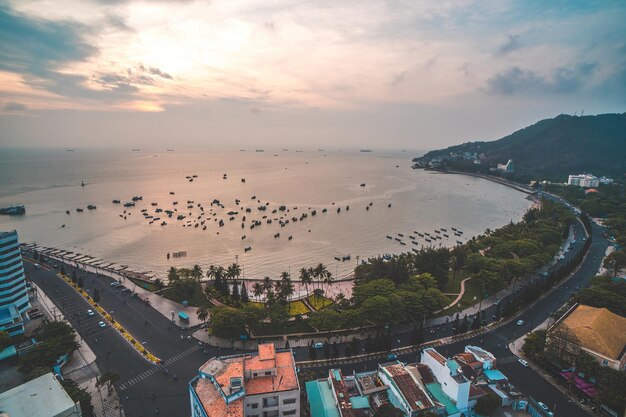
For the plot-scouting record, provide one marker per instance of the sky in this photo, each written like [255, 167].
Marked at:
[415, 75]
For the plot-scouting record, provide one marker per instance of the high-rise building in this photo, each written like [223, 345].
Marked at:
[13, 292]
[263, 384]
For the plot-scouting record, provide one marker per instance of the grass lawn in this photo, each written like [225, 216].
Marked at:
[197, 299]
[319, 303]
[268, 329]
[145, 285]
[298, 307]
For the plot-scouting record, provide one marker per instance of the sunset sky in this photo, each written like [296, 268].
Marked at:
[380, 74]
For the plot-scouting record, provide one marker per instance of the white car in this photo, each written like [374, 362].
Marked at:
[543, 406]
[523, 362]
[318, 345]
[90, 313]
[520, 322]
[102, 324]
[115, 284]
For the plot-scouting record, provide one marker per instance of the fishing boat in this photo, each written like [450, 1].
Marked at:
[116, 201]
[13, 210]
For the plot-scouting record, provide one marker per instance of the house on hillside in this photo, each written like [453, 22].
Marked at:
[597, 331]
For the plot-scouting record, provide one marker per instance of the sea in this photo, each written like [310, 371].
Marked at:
[375, 205]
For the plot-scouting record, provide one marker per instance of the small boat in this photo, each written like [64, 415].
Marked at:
[91, 207]
[172, 193]
[82, 183]
[437, 231]
[389, 205]
[67, 212]
[259, 150]
[444, 230]
[13, 210]
[243, 180]
[453, 228]
[345, 258]
[154, 204]
[116, 201]
[389, 237]
[459, 242]
[79, 210]
[400, 234]
[363, 184]
[403, 244]
[163, 223]
[247, 249]
[137, 198]
[445, 235]
[412, 237]
[337, 258]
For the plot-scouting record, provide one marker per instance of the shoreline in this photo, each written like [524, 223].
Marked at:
[497, 180]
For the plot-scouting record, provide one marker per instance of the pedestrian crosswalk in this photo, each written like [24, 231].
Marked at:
[156, 368]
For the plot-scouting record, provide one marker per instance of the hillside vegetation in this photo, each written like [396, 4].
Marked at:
[550, 148]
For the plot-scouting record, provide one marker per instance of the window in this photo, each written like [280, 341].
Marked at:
[289, 401]
[270, 401]
[254, 405]
[605, 362]
[289, 412]
[268, 373]
[270, 413]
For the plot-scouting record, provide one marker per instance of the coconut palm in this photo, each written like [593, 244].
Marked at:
[203, 314]
[306, 279]
[257, 290]
[328, 279]
[321, 272]
[286, 287]
[196, 272]
[172, 275]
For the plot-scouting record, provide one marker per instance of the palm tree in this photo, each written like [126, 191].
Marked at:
[210, 272]
[267, 283]
[305, 279]
[172, 275]
[196, 272]
[203, 314]
[321, 272]
[257, 290]
[286, 287]
[328, 279]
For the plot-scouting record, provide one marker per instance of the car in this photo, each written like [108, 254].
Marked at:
[543, 406]
[37, 266]
[520, 322]
[56, 266]
[90, 313]
[544, 273]
[392, 357]
[318, 345]
[115, 284]
[523, 362]
[102, 324]
[126, 290]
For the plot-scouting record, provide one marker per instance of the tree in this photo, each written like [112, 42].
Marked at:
[5, 339]
[615, 261]
[388, 410]
[196, 272]
[158, 284]
[487, 405]
[56, 339]
[244, 293]
[257, 290]
[108, 379]
[172, 275]
[74, 278]
[535, 344]
[203, 314]
[78, 394]
[96, 295]
[80, 282]
[306, 279]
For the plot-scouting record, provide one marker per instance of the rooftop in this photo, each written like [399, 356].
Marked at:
[42, 397]
[321, 399]
[436, 355]
[411, 391]
[231, 374]
[598, 330]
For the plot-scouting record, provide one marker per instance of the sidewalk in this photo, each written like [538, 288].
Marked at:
[82, 368]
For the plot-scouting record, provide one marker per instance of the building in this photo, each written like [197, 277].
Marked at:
[361, 394]
[448, 375]
[264, 384]
[41, 397]
[14, 300]
[597, 331]
[583, 180]
[508, 168]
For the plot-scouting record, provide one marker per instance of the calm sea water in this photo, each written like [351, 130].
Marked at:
[48, 182]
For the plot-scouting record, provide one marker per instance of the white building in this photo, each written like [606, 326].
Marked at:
[583, 180]
[13, 292]
[41, 397]
[264, 384]
[448, 375]
[508, 167]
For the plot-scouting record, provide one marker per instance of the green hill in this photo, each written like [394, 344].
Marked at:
[551, 148]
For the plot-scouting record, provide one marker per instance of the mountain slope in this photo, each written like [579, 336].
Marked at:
[553, 147]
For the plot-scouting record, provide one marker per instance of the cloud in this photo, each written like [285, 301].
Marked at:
[512, 44]
[563, 80]
[160, 73]
[37, 47]
[12, 106]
